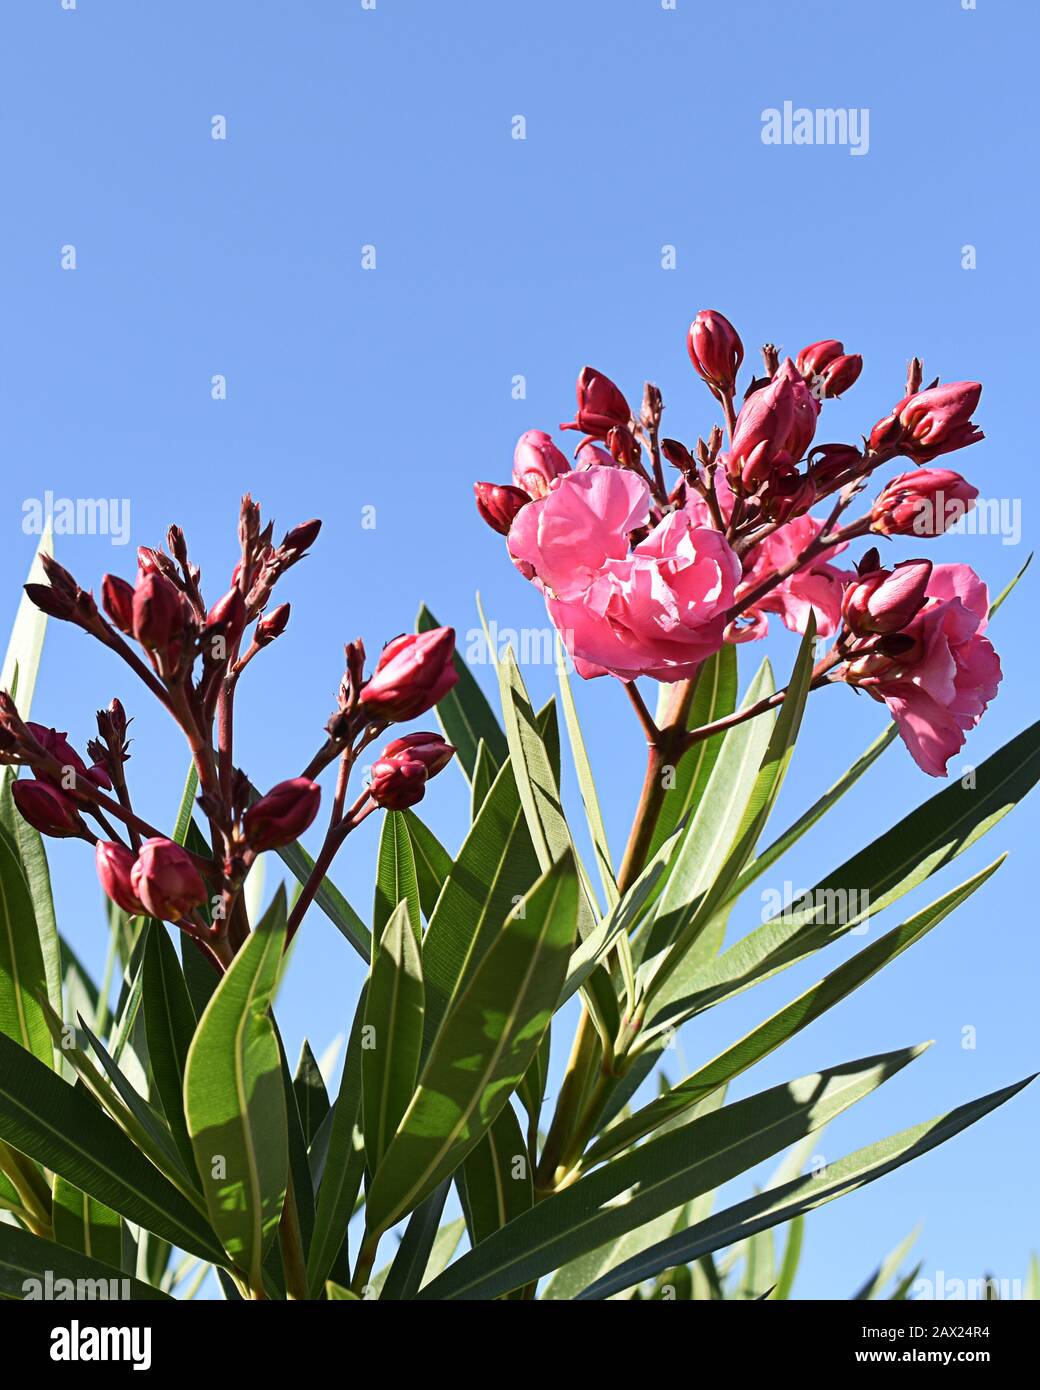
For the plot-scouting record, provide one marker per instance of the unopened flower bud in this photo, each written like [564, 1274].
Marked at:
[622, 445]
[166, 881]
[271, 625]
[301, 537]
[430, 749]
[925, 502]
[600, 405]
[813, 359]
[839, 375]
[498, 504]
[59, 747]
[281, 816]
[885, 601]
[414, 671]
[158, 612]
[117, 597]
[830, 464]
[536, 462]
[46, 809]
[715, 350]
[115, 865]
[228, 617]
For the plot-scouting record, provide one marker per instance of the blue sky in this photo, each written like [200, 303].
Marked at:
[391, 389]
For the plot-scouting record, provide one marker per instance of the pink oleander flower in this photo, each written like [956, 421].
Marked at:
[939, 682]
[883, 601]
[536, 462]
[925, 502]
[656, 610]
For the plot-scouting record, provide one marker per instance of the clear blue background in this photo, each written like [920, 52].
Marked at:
[392, 389]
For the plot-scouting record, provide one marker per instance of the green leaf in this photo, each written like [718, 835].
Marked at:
[484, 771]
[465, 714]
[791, 1258]
[405, 1273]
[336, 1293]
[432, 862]
[586, 782]
[888, 1268]
[800, 1195]
[486, 1043]
[714, 697]
[395, 875]
[393, 1034]
[312, 1099]
[60, 1127]
[679, 918]
[496, 1178]
[235, 1103]
[785, 1023]
[998, 601]
[169, 1021]
[26, 1257]
[86, 1225]
[23, 975]
[658, 1177]
[344, 1164]
[494, 868]
[30, 851]
[906, 855]
[816, 812]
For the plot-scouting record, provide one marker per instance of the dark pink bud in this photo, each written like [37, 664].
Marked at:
[788, 495]
[430, 749]
[413, 672]
[499, 503]
[925, 502]
[282, 815]
[830, 464]
[774, 428]
[536, 462]
[50, 601]
[158, 612]
[592, 456]
[59, 747]
[715, 349]
[114, 869]
[839, 375]
[166, 881]
[600, 405]
[302, 537]
[938, 420]
[885, 601]
[398, 782]
[46, 809]
[271, 625]
[117, 596]
[812, 359]
[229, 613]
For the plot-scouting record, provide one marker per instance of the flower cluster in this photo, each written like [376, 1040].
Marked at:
[191, 657]
[646, 575]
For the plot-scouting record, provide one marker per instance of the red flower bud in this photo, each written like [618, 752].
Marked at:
[536, 462]
[829, 464]
[788, 495]
[715, 349]
[114, 868]
[925, 502]
[812, 359]
[430, 749]
[117, 596]
[413, 672]
[230, 613]
[600, 405]
[271, 625]
[938, 421]
[282, 815]
[398, 782]
[885, 601]
[301, 537]
[59, 747]
[774, 428]
[498, 504]
[158, 612]
[46, 809]
[166, 881]
[839, 375]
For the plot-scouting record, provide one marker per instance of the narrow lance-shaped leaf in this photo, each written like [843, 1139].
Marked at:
[396, 880]
[169, 1021]
[659, 1176]
[785, 1023]
[799, 1196]
[432, 862]
[23, 976]
[484, 1046]
[393, 1033]
[25, 1257]
[586, 782]
[82, 1223]
[235, 1103]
